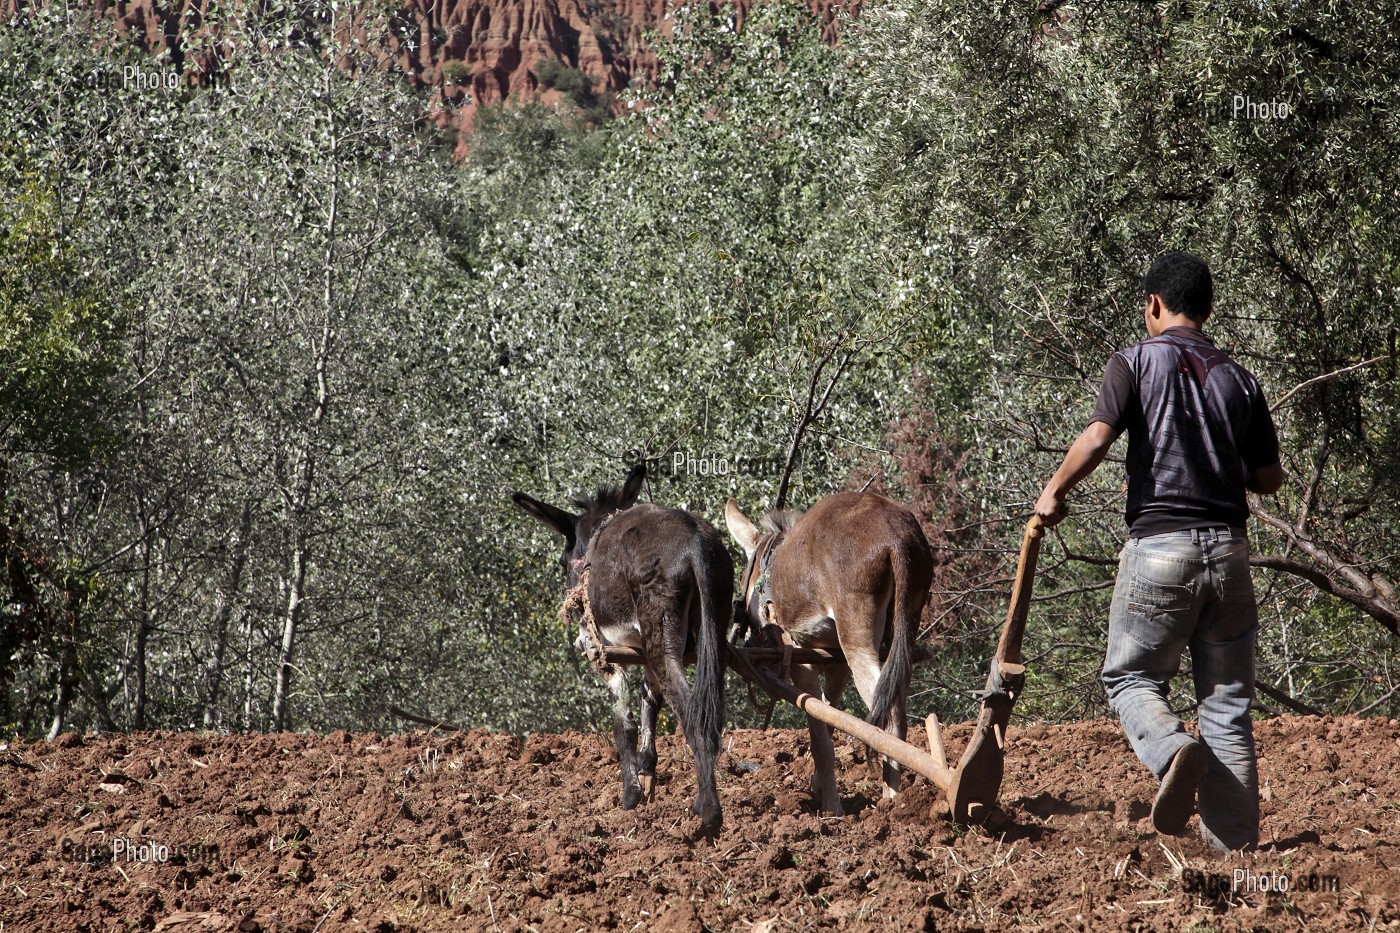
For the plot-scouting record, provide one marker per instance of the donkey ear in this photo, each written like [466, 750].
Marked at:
[741, 528]
[561, 521]
[633, 486]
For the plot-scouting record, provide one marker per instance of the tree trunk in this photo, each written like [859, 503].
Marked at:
[144, 528]
[22, 591]
[67, 686]
[143, 617]
[289, 633]
[138, 711]
[68, 674]
[224, 616]
[299, 506]
[248, 676]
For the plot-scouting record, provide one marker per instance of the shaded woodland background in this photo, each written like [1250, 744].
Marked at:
[272, 357]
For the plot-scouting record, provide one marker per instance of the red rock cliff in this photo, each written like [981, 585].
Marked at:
[474, 52]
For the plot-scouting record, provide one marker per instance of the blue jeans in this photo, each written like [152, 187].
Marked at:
[1178, 590]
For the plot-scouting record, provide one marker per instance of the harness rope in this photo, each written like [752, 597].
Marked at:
[762, 566]
[576, 606]
[577, 611]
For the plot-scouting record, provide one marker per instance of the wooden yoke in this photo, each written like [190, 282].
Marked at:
[977, 781]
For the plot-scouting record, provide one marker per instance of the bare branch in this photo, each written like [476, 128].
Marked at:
[426, 720]
[1089, 558]
[1283, 698]
[1370, 706]
[1325, 377]
[1324, 448]
[811, 411]
[1380, 609]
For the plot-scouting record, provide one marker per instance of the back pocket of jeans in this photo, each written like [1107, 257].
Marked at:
[1152, 626]
[1157, 594]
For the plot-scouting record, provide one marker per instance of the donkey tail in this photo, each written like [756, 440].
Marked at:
[892, 689]
[706, 713]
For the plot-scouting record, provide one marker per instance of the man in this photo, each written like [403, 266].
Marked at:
[1199, 436]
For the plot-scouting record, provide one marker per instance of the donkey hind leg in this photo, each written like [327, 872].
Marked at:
[676, 689]
[650, 697]
[866, 670]
[828, 795]
[897, 725]
[866, 673]
[624, 738]
[837, 677]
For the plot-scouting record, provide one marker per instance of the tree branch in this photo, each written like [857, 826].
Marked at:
[811, 411]
[1377, 608]
[1325, 377]
[426, 720]
[1279, 696]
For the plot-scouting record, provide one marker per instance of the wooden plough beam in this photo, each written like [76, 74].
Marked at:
[932, 764]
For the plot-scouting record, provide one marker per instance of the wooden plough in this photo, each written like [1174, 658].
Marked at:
[972, 787]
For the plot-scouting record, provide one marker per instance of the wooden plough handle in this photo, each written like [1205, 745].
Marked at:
[1009, 647]
[972, 795]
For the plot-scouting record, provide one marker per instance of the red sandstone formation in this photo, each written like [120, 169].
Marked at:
[503, 43]
[473, 52]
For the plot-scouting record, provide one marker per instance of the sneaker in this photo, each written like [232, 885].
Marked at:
[1176, 801]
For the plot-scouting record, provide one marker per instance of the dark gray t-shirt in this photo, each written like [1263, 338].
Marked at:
[1197, 426]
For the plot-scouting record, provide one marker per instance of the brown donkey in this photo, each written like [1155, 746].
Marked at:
[662, 581]
[852, 569]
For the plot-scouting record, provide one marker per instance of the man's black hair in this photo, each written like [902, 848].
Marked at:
[1183, 281]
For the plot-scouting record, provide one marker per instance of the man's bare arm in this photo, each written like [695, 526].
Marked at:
[1085, 454]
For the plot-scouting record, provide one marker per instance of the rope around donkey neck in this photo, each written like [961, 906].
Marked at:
[576, 606]
[577, 611]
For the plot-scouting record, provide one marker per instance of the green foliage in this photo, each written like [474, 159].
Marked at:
[577, 89]
[338, 352]
[59, 334]
[521, 156]
[60, 353]
[682, 272]
[456, 71]
[573, 83]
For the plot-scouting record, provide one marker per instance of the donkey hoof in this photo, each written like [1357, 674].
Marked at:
[648, 787]
[631, 796]
[710, 819]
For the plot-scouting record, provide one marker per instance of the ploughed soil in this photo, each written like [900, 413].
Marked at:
[483, 831]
